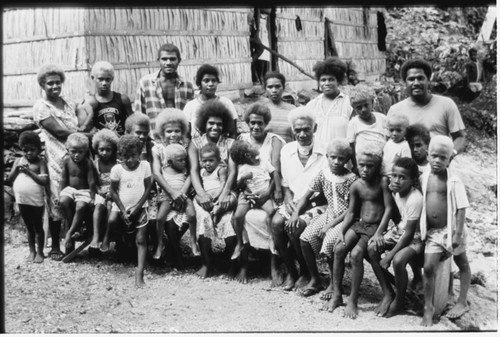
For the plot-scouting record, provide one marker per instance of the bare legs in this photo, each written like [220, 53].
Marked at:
[33, 219]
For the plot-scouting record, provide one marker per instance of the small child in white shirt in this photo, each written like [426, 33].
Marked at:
[397, 146]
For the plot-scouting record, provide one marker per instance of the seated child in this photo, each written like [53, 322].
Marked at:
[367, 126]
[370, 208]
[320, 235]
[213, 176]
[418, 138]
[104, 143]
[130, 185]
[442, 225]
[78, 186]
[254, 181]
[402, 242]
[105, 109]
[29, 177]
[396, 147]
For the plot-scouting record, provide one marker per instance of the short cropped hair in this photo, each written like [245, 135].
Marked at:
[77, 138]
[342, 145]
[473, 49]
[169, 48]
[214, 109]
[206, 69]
[398, 118]
[29, 138]
[258, 109]
[210, 147]
[104, 67]
[418, 130]
[49, 70]
[170, 115]
[127, 143]
[416, 64]
[301, 112]
[105, 135]
[238, 151]
[136, 118]
[173, 150]
[371, 150]
[274, 74]
[361, 92]
[443, 141]
[330, 66]
[408, 164]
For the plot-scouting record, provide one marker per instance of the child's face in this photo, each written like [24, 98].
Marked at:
[336, 160]
[31, 152]
[252, 156]
[401, 181]
[364, 109]
[141, 132]
[53, 86]
[77, 152]
[172, 133]
[209, 161]
[418, 148]
[105, 150]
[208, 85]
[178, 162]
[439, 158]
[132, 158]
[274, 89]
[103, 80]
[368, 167]
[397, 131]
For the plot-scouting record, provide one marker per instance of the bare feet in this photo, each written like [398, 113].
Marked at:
[428, 314]
[394, 309]
[383, 307]
[31, 257]
[158, 252]
[39, 258]
[327, 294]
[333, 303]
[56, 254]
[195, 248]
[69, 246]
[289, 283]
[203, 272]
[104, 246]
[301, 282]
[458, 310]
[242, 276]
[276, 278]
[351, 310]
[237, 251]
[139, 279]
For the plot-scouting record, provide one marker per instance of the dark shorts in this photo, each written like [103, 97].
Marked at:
[362, 228]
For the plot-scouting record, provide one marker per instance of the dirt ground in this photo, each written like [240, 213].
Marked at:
[91, 295]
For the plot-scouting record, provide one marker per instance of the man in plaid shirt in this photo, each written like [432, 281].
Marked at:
[163, 89]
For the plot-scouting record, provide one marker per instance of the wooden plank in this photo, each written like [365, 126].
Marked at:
[441, 286]
[488, 24]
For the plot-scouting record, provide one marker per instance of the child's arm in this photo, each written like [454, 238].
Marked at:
[301, 204]
[202, 197]
[378, 237]
[113, 188]
[222, 178]
[64, 175]
[176, 196]
[137, 208]
[404, 241]
[128, 104]
[14, 171]
[459, 230]
[91, 179]
[354, 203]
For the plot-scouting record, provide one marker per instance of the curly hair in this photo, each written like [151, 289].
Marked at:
[330, 66]
[342, 145]
[170, 115]
[440, 140]
[301, 112]
[210, 148]
[410, 165]
[169, 48]
[416, 64]
[372, 151]
[238, 152]
[214, 109]
[260, 110]
[105, 135]
[418, 130]
[398, 118]
[49, 70]
[104, 67]
[136, 118]
[361, 92]
[127, 143]
[206, 69]
[77, 138]
[173, 150]
[29, 138]
[274, 74]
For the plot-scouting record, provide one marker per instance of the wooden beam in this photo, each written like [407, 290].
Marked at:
[488, 24]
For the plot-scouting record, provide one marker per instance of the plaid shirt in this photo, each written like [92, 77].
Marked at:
[149, 97]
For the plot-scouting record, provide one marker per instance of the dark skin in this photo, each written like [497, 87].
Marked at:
[169, 61]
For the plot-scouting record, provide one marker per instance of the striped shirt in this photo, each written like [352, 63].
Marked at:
[279, 121]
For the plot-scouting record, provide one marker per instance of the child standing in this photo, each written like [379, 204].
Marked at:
[370, 208]
[29, 177]
[104, 144]
[213, 176]
[442, 225]
[254, 180]
[402, 242]
[130, 186]
[78, 185]
[396, 147]
[418, 138]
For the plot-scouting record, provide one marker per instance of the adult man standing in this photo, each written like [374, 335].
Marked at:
[165, 88]
[438, 113]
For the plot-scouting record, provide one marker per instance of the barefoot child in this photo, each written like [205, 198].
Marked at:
[370, 208]
[402, 242]
[130, 185]
[254, 179]
[320, 236]
[396, 146]
[104, 143]
[29, 177]
[213, 176]
[78, 186]
[418, 137]
[442, 225]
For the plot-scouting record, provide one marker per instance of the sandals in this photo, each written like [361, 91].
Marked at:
[56, 255]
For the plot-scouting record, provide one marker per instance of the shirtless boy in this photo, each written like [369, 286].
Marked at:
[369, 211]
[78, 185]
[442, 225]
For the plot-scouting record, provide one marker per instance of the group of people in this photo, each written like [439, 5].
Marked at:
[324, 180]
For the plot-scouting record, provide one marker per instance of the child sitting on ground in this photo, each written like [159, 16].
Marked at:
[396, 147]
[104, 144]
[254, 179]
[130, 185]
[418, 137]
[213, 176]
[320, 235]
[442, 225]
[370, 208]
[29, 177]
[78, 186]
[402, 242]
